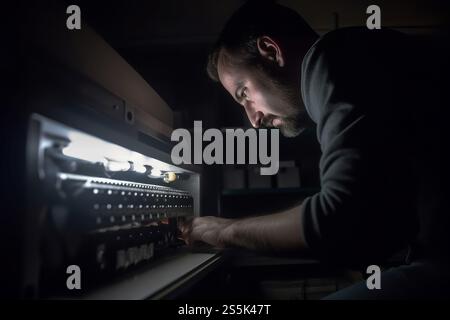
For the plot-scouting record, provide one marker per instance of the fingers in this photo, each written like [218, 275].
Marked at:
[195, 231]
[205, 232]
[203, 229]
[192, 230]
[186, 228]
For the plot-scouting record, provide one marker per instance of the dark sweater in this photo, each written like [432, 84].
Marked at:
[361, 88]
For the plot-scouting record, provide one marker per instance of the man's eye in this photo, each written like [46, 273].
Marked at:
[244, 94]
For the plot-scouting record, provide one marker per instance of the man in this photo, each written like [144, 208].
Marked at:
[357, 86]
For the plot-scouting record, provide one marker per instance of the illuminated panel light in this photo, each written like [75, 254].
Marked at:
[86, 147]
[118, 166]
[170, 177]
[156, 172]
[140, 168]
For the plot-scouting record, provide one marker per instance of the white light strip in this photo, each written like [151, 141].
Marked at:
[156, 173]
[114, 184]
[89, 148]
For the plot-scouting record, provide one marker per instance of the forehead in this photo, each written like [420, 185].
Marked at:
[230, 75]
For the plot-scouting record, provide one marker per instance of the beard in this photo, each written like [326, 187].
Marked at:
[290, 127]
[286, 94]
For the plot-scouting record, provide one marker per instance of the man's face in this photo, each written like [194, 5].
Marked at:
[270, 98]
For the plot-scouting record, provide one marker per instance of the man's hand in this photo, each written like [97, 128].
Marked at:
[211, 230]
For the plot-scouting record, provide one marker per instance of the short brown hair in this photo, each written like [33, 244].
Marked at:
[251, 21]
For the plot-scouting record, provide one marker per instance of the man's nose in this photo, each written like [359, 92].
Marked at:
[254, 116]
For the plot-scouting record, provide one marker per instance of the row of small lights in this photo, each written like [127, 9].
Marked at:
[135, 235]
[131, 185]
[112, 219]
[110, 192]
[130, 206]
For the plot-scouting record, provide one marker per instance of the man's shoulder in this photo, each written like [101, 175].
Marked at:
[357, 37]
[348, 44]
[348, 61]
[353, 48]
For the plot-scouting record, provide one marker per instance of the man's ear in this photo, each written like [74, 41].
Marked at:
[269, 49]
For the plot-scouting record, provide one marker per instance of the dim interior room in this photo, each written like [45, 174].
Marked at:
[167, 43]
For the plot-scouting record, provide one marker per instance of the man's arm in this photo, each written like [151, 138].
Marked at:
[274, 232]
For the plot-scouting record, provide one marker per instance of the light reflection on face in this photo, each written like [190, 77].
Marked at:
[269, 97]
